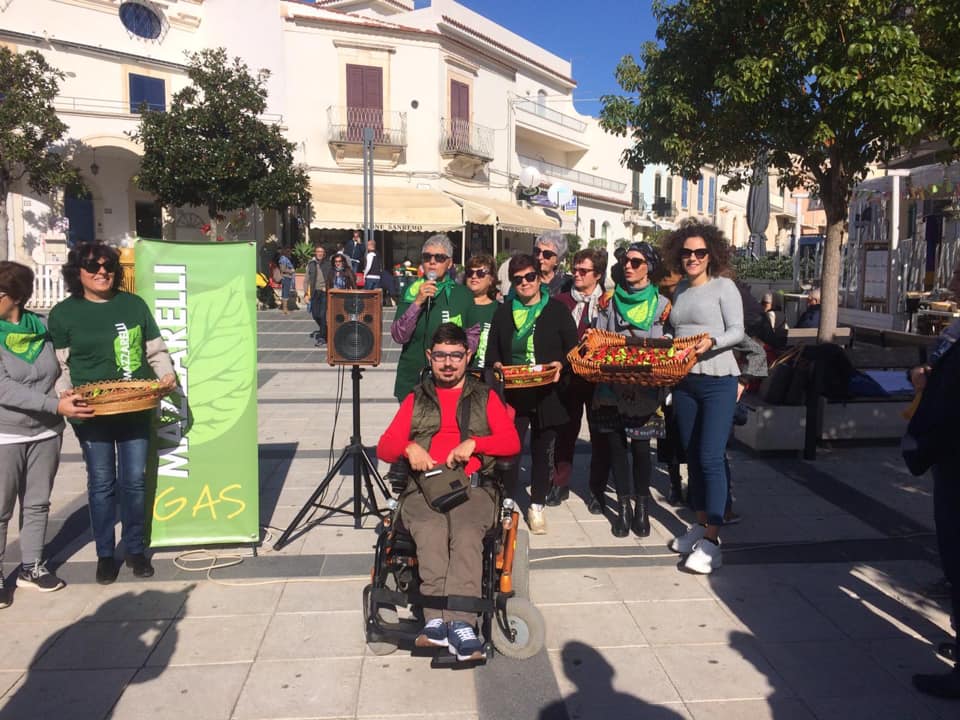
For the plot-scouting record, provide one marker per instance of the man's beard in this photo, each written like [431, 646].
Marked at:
[447, 384]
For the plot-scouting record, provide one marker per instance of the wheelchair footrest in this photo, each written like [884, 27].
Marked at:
[446, 660]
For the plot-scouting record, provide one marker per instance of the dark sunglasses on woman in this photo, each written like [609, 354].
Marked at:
[547, 254]
[701, 253]
[520, 279]
[583, 270]
[635, 263]
[93, 266]
[477, 272]
[437, 257]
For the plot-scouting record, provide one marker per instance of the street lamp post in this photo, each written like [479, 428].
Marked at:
[798, 225]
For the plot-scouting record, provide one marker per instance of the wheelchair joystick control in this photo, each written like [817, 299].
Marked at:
[392, 504]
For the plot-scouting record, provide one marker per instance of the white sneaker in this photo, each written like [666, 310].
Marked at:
[684, 544]
[536, 521]
[705, 558]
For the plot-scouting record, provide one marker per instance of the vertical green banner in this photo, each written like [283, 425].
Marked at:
[203, 299]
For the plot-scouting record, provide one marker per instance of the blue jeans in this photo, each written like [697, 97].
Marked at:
[115, 453]
[703, 406]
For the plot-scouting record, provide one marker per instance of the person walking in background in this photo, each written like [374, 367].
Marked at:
[102, 333]
[530, 328]
[622, 412]
[288, 276]
[31, 427]
[549, 250]
[354, 250]
[704, 401]
[481, 281]
[583, 302]
[373, 268]
[315, 292]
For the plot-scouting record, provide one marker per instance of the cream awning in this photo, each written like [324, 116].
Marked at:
[340, 207]
[486, 211]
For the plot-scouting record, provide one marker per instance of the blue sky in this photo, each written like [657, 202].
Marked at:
[593, 35]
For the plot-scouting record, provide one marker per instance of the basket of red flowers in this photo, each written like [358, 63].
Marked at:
[606, 357]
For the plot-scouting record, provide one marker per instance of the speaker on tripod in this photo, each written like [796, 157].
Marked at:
[354, 327]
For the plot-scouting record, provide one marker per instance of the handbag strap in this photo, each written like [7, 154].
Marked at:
[464, 419]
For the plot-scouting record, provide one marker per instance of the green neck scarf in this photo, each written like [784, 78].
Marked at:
[444, 286]
[24, 339]
[637, 307]
[525, 316]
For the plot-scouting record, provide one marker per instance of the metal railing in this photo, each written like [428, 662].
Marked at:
[565, 173]
[48, 287]
[346, 124]
[462, 137]
[66, 103]
[552, 115]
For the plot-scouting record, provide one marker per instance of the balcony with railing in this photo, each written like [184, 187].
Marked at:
[120, 108]
[345, 126]
[461, 137]
[548, 124]
[560, 172]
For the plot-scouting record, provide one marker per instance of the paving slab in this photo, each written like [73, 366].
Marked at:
[311, 688]
[198, 692]
[771, 709]
[734, 670]
[59, 694]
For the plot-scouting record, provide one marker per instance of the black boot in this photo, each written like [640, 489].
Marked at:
[556, 495]
[641, 520]
[624, 518]
[675, 497]
[596, 504]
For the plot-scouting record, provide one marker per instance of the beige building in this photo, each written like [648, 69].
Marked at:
[456, 104]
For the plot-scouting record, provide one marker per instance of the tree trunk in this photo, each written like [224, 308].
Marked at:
[835, 208]
[4, 240]
[214, 229]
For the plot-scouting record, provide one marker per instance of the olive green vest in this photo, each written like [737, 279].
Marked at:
[425, 422]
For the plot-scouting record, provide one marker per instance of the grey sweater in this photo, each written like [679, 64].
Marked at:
[715, 308]
[28, 401]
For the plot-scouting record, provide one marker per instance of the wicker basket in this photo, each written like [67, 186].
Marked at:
[116, 397]
[516, 377]
[668, 372]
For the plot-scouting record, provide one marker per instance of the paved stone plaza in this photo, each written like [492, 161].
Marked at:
[819, 611]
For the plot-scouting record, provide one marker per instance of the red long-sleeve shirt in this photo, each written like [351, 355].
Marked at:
[502, 441]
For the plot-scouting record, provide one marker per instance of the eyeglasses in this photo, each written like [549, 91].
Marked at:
[635, 263]
[547, 254]
[521, 279]
[440, 355]
[701, 253]
[477, 272]
[435, 257]
[93, 266]
[583, 270]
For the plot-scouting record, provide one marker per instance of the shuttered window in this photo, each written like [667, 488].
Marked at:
[147, 91]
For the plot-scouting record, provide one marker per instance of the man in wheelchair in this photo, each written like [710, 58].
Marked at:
[450, 429]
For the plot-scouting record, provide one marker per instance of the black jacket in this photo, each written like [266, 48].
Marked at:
[554, 336]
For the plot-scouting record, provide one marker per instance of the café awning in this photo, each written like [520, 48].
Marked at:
[404, 209]
[505, 215]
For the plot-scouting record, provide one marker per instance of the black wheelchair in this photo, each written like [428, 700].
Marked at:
[509, 623]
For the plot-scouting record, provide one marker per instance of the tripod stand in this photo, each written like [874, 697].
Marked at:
[361, 464]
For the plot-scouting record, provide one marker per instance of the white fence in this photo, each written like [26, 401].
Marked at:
[48, 287]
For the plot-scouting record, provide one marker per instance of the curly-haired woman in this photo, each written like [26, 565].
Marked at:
[704, 401]
[103, 333]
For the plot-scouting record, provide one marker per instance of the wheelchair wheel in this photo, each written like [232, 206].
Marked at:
[521, 565]
[526, 621]
[386, 613]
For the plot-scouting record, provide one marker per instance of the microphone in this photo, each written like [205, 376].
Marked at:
[431, 277]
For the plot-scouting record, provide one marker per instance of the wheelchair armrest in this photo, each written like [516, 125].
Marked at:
[503, 465]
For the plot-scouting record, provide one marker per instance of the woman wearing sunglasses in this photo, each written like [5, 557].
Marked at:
[620, 412]
[103, 333]
[530, 328]
[704, 401]
[426, 304]
[548, 251]
[481, 280]
[340, 274]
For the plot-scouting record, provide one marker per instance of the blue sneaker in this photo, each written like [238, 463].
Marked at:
[434, 634]
[462, 641]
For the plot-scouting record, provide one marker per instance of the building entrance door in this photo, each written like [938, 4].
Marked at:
[79, 211]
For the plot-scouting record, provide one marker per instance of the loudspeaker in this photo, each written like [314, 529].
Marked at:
[354, 327]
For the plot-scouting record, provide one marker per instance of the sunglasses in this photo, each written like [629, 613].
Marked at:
[547, 254]
[583, 270]
[440, 355]
[521, 279]
[93, 267]
[435, 257]
[700, 253]
[635, 263]
[477, 272]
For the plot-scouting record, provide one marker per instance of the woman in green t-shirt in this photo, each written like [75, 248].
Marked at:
[481, 280]
[103, 333]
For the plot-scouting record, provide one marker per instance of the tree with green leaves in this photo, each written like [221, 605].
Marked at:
[30, 131]
[211, 149]
[824, 88]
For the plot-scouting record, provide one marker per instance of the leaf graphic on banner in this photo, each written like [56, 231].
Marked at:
[220, 360]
